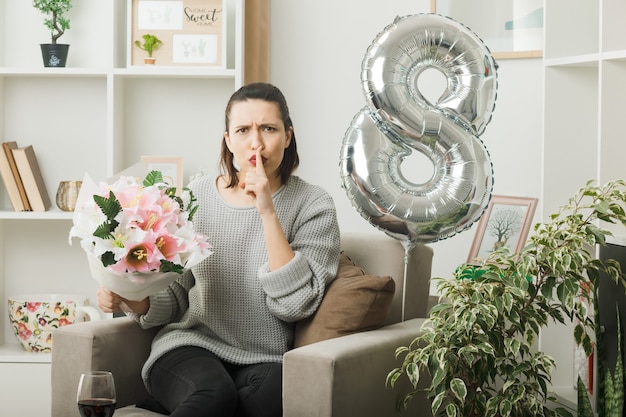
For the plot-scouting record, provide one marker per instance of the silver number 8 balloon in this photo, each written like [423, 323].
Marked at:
[399, 120]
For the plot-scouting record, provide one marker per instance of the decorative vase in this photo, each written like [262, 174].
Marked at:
[67, 194]
[54, 55]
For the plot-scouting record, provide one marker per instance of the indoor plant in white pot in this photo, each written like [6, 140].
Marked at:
[477, 347]
[54, 54]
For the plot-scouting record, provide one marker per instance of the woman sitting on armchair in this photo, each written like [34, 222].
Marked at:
[229, 320]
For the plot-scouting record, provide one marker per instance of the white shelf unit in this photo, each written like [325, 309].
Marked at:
[96, 116]
[584, 94]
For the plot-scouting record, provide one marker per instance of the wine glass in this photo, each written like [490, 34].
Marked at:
[96, 394]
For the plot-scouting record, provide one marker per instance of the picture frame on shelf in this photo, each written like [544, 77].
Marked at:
[506, 222]
[170, 166]
[510, 29]
[193, 32]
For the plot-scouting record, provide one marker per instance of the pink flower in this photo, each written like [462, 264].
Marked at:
[140, 258]
[64, 322]
[23, 332]
[168, 246]
[33, 306]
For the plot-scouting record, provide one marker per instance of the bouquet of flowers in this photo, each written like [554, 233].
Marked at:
[138, 236]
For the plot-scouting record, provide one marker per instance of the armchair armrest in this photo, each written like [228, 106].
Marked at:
[346, 375]
[118, 345]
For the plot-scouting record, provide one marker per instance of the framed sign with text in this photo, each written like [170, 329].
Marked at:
[192, 32]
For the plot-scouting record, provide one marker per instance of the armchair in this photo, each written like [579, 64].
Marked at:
[339, 377]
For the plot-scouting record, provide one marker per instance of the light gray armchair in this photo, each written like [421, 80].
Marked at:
[339, 377]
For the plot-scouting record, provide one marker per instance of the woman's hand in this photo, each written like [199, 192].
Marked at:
[110, 302]
[257, 185]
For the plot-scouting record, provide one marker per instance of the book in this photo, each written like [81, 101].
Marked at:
[32, 179]
[9, 182]
[8, 152]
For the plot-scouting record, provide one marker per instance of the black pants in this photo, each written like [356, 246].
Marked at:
[192, 382]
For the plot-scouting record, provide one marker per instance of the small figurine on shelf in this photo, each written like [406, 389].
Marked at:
[54, 54]
[150, 43]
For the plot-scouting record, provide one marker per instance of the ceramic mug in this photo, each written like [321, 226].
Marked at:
[33, 317]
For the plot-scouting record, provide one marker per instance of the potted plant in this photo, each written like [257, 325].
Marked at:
[54, 54]
[477, 344]
[150, 43]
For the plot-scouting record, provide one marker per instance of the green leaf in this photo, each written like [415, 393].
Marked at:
[413, 373]
[401, 350]
[437, 401]
[458, 388]
[547, 289]
[508, 301]
[110, 206]
[492, 407]
[169, 266]
[609, 404]
[579, 332]
[451, 410]
[153, 177]
[513, 346]
[392, 377]
[105, 230]
[486, 348]
[439, 376]
[107, 258]
[618, 377]
[505, 408]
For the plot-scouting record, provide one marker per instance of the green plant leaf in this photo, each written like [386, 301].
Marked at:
[413, 373]
[486, 348]
[437, 401]
[505, 408]
[492, 407]
[153, 177]
[618, 377]
[393, 376]
[508, 301]
[458, 388]
[400, 351]
[168, 266]
[107, 258]
[451, 410]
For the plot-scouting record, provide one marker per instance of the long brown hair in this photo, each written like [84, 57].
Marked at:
[269, 93]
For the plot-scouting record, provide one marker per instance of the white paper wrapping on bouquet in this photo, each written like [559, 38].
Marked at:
[132, 286]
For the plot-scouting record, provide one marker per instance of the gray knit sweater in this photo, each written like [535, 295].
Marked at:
[231, 303]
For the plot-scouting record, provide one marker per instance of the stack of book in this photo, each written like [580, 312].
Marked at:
[22, 178]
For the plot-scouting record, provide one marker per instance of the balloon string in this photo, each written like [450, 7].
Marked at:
[407, 252]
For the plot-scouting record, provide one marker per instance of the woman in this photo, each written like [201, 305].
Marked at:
[228, 321]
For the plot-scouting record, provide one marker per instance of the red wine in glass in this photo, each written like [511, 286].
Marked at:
[96, 394]
[96, 407]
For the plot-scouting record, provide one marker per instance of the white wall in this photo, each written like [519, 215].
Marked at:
[316, 53]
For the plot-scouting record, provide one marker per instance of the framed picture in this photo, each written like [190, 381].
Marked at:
[505, 223]
[170, 166]
[193, 32]
[509, 28]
